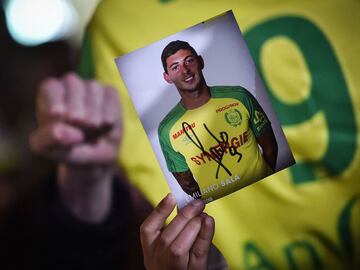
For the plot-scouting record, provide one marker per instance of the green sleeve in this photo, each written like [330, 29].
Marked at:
[174, 160]
[259, 122]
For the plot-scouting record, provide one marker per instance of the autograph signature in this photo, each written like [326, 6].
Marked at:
[216, 153]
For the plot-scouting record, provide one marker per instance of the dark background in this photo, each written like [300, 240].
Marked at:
[22, 69]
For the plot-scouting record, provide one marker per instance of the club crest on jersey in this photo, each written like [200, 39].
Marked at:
[233, 117]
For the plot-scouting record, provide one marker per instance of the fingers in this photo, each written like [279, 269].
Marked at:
[94, 104]
[51, 101]
[178, 224]
[200, 250]
[79, 121]
[75, 94]
[53, 139]
[111, 110]
[180, 247]
[99, 153]
[184, 243]
[83, 103]
[151, 227]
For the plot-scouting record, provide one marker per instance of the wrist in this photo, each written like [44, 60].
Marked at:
[86, 190]
[84, 173]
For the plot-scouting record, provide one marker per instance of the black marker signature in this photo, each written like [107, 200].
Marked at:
[216, 153]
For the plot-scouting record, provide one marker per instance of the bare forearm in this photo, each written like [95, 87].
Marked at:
[86, 191]
[188, 184]
[270, 156]
[269, 146]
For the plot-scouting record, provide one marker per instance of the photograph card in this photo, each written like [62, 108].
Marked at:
[205, 110]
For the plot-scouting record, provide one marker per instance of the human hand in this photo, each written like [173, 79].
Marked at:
[79, 122]
[184, 243]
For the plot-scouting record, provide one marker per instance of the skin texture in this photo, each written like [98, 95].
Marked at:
[184, 243]
[79, 121]
[187, 182]
[185, 71]
[79, 126]
[269, 146]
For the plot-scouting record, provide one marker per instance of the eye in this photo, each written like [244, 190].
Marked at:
[189, 61]
[174, 67]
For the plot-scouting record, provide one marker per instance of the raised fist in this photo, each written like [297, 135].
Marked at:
[79, 121]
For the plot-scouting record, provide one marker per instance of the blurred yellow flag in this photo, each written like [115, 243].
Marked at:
[307, 52]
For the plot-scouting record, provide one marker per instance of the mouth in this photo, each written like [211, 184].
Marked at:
[189, 78]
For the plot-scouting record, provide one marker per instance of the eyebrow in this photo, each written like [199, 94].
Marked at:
[175, 63]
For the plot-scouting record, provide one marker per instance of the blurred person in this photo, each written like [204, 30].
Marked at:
[87, 216]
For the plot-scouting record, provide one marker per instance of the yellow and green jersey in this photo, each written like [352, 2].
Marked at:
[217, 141]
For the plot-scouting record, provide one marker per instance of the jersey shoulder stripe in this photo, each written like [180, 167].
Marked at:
[169, 120]
[235, 92]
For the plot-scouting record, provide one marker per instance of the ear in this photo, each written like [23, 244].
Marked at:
[167, 78]
[201, 61]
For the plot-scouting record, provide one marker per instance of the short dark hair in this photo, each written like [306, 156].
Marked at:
[172, 48]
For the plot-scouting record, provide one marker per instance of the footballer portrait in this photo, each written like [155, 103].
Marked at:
[205, 111]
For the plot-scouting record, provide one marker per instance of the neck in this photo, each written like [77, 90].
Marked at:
[195, 99]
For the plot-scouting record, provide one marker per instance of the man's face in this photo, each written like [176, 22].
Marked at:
[184, 70]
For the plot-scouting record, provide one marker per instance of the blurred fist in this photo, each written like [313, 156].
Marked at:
[79, 121]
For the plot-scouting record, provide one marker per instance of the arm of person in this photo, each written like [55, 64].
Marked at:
[188, 184]
[261, 126]
[177, 165]
[79, 127]
[269, 147]
[184, 243]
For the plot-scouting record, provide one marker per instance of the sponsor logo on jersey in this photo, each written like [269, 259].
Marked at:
[236, 142]
[233, 117]
[259, 117]
[182, 131]
[259, 120]
[226, 107]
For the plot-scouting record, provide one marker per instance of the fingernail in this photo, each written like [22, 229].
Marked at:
[209, 220]
[197, 203]
[169, 198]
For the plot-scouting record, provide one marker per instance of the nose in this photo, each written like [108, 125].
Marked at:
[184, 68]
